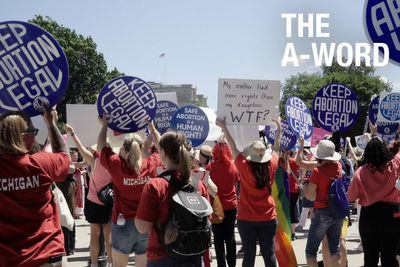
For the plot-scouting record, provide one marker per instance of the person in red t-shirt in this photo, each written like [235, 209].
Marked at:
[225, 176]
[256, 212]
[155, 201]
[129, 174]
[317, 189]
[30, 226]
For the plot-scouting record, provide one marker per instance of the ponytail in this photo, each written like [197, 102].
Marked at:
[132, 146]
[184, 163]
[176, 148]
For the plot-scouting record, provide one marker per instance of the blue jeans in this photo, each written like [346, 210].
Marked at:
[264, 232]
[127, 239]
[175, 262]
[323, 224]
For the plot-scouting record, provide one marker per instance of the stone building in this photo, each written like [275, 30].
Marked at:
[186, 93]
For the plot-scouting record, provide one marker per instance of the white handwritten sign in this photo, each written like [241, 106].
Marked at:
[248, 102]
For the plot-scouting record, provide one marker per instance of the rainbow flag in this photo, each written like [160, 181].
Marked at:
[283, 247]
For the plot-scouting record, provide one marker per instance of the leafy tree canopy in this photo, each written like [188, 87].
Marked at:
[362, 80]
[87, 67]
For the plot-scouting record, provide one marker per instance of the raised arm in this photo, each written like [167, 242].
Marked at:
[102, 139]
[352, 154]
[301, 161]
[57, 142]
[231, 142]
[154, 134]
[87, 156]
[278, 136]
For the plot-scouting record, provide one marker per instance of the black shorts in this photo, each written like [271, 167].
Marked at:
[294, 211]
[96, 213]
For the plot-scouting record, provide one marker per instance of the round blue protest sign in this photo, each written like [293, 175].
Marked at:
[335, 107]
[385, 128]
[288, 139]
[33, 68]
[129, 102]
[373, 110]
[299, 117]
[193, 122]
[382, 25]
[165, 110]
[389, 107]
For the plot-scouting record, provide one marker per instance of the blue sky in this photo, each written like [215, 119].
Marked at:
[202, 40]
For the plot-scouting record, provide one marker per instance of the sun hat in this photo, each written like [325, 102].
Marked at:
[325, 151]
[257, 152]
[204, 154]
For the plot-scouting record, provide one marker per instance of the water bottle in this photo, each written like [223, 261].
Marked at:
[398, 184]
[121, 219]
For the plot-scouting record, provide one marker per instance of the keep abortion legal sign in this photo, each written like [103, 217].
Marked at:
[385, 128]
[299, 117]
[389, 107]
[248, 102]
[335, 107]
[33, 68]
[129, 102]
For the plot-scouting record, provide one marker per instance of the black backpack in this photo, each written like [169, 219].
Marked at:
[187, 233]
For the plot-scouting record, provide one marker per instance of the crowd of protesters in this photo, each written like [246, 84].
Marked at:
[242, 181]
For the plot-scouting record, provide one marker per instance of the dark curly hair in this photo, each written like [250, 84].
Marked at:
[261, 173]
[376, 155]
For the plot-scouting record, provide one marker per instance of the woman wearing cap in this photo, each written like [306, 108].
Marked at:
[130, 172]
[96, 213]
[374, 185]
[317, 189]
[256, 211]
[30, 227]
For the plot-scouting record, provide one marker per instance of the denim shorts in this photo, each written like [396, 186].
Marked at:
[126, 238]
[323, 224]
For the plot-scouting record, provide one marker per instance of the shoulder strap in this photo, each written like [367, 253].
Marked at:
[176, 184]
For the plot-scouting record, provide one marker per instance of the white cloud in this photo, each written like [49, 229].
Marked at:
[395, 84]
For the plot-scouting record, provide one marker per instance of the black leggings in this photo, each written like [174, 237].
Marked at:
[379, 231]
[224, 235]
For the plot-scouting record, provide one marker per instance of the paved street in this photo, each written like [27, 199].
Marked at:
[355, 258]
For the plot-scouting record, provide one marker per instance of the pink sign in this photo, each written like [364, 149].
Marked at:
[317, 135]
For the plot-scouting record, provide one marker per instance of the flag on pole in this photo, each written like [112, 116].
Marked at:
[162, 55]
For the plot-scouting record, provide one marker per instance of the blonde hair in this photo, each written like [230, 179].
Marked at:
[132, 146]
[12, 126]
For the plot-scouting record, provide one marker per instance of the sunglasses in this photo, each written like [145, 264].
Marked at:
[33, 130]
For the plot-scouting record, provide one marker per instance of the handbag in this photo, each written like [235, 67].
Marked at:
[106, 195]
[218, 214]
[65, 214]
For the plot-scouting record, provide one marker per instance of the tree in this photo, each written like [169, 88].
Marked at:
[362, 80]
[87, 67]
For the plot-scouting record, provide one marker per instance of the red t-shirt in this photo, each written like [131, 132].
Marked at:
[321, 177]
[154, 207]
[127, 184]
[30, 226]
[293, 185]
[255, 204]
[225, 176]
